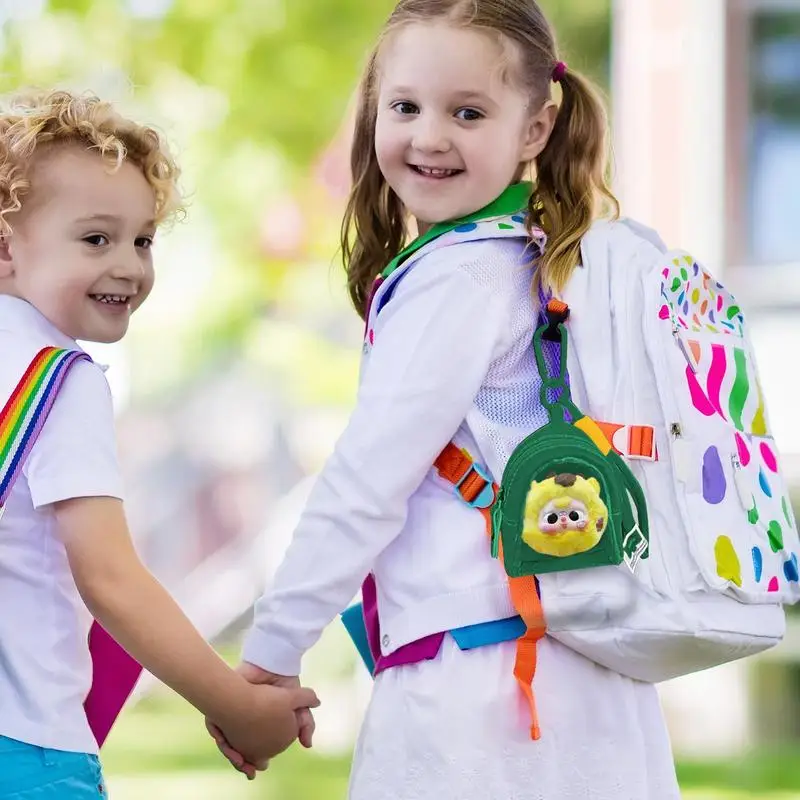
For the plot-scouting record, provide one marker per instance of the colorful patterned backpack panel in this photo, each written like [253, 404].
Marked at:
[746, 542]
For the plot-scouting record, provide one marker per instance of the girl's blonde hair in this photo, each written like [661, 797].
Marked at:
[33, 122]
[571, 187]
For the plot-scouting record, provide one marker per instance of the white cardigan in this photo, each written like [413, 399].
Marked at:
[451, 358]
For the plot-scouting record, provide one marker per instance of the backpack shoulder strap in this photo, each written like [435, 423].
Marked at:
[21, 421]
[511, 226]
[25, 412]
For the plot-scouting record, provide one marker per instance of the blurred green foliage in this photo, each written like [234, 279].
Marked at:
[252, 93]
[161, 747]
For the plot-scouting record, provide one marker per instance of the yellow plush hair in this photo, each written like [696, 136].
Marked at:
[564, 515]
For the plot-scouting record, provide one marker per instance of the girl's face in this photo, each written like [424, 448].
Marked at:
[452, 131]
[80, 247]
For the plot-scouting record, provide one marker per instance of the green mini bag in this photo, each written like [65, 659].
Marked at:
[566, 501]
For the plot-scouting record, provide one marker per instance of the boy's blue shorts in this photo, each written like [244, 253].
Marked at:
[28, 772]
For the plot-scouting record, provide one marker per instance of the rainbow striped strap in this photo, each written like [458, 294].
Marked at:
[24, 414]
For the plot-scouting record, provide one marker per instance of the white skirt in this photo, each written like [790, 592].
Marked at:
[457, 728]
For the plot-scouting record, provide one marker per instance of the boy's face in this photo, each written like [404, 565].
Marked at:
[80, 247]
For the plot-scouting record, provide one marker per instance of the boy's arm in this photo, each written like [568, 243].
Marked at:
[136, 610]
[72, 469]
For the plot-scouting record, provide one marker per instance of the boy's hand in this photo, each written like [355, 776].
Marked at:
[303, 724]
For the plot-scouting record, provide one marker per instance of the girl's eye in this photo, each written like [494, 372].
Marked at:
[404, 107]
[574, 516]
[552, 518]
[144, 242]
[96, 240]
[469, 114]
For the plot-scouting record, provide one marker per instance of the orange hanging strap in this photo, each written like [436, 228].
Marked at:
[526, 600]
[476, 488]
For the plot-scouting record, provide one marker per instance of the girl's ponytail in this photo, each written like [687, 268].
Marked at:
[572, 186]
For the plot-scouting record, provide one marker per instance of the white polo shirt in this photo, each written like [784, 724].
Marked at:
[45, 668]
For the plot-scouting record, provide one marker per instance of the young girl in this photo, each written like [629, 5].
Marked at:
[82, 193]
[454, 107]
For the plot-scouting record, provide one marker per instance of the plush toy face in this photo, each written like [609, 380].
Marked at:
[564, 515]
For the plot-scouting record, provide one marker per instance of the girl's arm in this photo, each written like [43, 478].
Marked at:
[433, 346]
[136, 610]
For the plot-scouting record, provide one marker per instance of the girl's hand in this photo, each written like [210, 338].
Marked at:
[304, 717]
[266, 723]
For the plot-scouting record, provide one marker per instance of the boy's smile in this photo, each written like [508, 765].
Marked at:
[79, 250]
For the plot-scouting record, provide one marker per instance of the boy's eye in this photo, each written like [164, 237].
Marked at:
[144, 242]
[96, 240]
[404, 107]
[469, 114]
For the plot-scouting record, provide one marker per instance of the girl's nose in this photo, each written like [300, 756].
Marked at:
[430, 135]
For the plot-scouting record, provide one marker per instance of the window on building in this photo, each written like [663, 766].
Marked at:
[764, 132]
[773, 147]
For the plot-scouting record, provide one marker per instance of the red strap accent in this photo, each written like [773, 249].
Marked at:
[455, 466]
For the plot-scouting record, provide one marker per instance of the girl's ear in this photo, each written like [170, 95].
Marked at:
[538, 130]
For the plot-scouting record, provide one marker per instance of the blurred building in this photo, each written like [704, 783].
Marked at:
[706, 97]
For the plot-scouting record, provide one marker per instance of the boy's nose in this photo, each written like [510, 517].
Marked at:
[129, 267]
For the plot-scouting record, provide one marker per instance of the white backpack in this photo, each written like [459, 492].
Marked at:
[674, 353]
[657, 344]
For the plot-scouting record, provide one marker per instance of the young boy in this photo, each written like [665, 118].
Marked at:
[82, 193]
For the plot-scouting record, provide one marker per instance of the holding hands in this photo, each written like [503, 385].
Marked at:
[274, 711]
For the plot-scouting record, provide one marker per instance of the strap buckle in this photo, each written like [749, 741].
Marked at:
[557, 313]
[485, 496]
[631, 441]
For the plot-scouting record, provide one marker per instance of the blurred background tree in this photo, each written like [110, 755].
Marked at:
[255, 94]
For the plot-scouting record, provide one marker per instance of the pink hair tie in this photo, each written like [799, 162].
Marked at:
[559, 71]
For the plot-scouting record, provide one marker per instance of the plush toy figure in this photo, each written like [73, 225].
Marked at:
[564, 515]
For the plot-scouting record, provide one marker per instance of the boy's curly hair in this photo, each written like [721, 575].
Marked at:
[30, 121]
